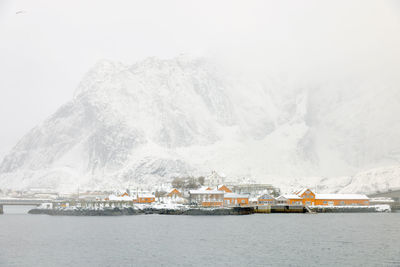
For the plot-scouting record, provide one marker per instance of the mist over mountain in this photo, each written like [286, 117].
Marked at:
[156, 119]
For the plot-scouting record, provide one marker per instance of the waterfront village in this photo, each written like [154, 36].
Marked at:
[209, 193]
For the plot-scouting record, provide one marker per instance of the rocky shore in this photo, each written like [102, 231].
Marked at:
[132, 211]
[202, 211]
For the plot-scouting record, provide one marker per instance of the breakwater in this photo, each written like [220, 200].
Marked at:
[132, 211]
[124, 211]
[339, 209]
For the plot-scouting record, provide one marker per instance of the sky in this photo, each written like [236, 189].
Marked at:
[47, 46]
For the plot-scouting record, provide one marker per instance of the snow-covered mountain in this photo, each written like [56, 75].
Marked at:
[162, 118]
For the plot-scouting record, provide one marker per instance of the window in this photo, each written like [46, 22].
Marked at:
[243, 201]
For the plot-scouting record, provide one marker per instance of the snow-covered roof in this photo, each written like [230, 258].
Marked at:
[265, 196]
[291, 196]
[118, 198]
[341, 196]
[203, 188]
[234, 195]
[206, 192]
[146, 195]
[173, 189]
[302, 191]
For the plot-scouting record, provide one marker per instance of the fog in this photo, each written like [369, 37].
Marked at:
[47, 46]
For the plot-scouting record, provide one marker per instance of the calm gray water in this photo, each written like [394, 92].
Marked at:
[161, 240]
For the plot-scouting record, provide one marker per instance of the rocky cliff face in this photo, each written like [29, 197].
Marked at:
[162, 118]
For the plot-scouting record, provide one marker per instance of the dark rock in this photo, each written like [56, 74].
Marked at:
[131, 211]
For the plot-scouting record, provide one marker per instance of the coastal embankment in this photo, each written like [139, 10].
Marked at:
[124, 211]
[133, 211]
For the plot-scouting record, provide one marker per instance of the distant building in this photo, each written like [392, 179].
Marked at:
[222, 196]
[123, 197]
[253, 189]
[207, 198]
[233, 199]
[290, 199]
[143, 198]
[43, 193]
[224, 188]
[382, 200]
[97, 195]
[174, 193]
[214, 179]
[265, 199]
[282, 200]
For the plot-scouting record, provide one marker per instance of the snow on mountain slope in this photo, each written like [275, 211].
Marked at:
[374, 180]
[158, 118]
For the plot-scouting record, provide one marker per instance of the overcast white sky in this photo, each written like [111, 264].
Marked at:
[47, 47]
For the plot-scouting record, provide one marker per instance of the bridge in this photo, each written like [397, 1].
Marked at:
[393, 194]
[21, 202]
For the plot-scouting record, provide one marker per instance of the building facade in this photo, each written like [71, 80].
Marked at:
[307, 197]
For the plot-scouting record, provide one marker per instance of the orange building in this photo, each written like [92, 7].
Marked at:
[290, 199]
[174, 193]
[224, 188]
[232, 199]
[223, 196]
[341, 200]
[265, 199]
[207, 198]
[145, 199]
[309, 198]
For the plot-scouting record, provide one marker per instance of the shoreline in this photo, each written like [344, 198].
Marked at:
[131, 211]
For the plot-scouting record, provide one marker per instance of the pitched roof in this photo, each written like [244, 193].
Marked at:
[204, 188]
[302, 191]
[281, 198]
[224, 187]
[144, 195]
[291, 196]
[174, 190]
[265, 196]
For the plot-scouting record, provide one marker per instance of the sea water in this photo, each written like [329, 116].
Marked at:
[358, 239]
